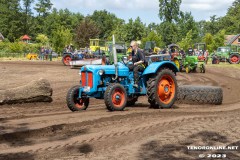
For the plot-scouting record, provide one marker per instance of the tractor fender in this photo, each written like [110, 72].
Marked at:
[155, 66]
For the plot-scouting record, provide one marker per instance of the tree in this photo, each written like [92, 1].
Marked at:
[153, 36]
[169, 32]
[208, 39]
[169, 10]
[10, 22]
[61, 38]
[43, 39]
[187, 41]
[27, 15]
[134, 30]
[87, 29]
[106, 22]
[185, 24]
[43, 7]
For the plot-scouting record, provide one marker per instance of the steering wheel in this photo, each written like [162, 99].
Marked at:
[123, 61]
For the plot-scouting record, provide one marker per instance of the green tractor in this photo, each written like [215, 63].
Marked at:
[192, 64]
[189, 62]
[227, 54]
[121, 50]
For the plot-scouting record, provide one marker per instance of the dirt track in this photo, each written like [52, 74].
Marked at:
[51, 131]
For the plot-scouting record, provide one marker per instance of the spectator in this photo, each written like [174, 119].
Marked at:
[206, 56]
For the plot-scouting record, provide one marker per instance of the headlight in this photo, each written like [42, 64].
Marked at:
[101, 72]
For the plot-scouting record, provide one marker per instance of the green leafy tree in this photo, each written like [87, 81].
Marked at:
[43, 7]
[43, 39]
[61, 38]
[169, 10]
[86, 30]
[169, 32]
[153, 36]
[135, 30]
[106, 22]
[10, 22]
[187, 42]
[27, 15]
[208, 39]
[186, 23]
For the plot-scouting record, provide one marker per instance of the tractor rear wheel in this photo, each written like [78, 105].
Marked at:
[66, 59]
[200, 95]
[162, 90]
[73, 102]
[234, 58]
[115, 97]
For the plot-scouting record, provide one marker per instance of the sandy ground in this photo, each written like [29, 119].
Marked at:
[52, 131]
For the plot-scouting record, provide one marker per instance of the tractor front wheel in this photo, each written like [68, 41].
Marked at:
[162, 90]
[66, 59]
[187, 69]
[75, 103]
[115, 97]
[234, 58]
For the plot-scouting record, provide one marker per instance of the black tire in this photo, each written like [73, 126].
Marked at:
[132, 101]
[200, 95]
[111, 102]
[75, 104]
[236, 61]
[153, 86]
[64, 61]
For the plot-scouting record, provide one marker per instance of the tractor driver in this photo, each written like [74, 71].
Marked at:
[138, 60]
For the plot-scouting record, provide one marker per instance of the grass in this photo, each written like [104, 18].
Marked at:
[25, 59]
[225, 65]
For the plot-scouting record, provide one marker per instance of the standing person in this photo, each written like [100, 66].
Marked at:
[206, 56]
[138, 60]
[42, 50]
[46, 53]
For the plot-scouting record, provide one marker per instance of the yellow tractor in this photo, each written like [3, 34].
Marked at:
[150, 48]
[96, 44]
[32, 56]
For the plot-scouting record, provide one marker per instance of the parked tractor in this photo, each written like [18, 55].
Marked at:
[175, 56]
[101, 57]
[200, 49]
[115, 84]
[189, 62]
[95, 45]
[150, 48]
[227, 54]
[192, 64]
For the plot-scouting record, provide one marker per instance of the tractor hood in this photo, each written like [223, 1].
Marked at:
[108, 69]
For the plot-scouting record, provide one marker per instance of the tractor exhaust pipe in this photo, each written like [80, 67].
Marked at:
[115, 58]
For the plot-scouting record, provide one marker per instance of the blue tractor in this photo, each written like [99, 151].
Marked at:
[114, 84]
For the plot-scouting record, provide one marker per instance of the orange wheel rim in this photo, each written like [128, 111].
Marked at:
[67, 60]
[234, 59]
[79, 103]
[118, 97]
[166, 89]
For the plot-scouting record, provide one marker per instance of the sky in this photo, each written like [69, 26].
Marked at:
[147, 10]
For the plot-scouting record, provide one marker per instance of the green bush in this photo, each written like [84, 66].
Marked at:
[17, 49]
